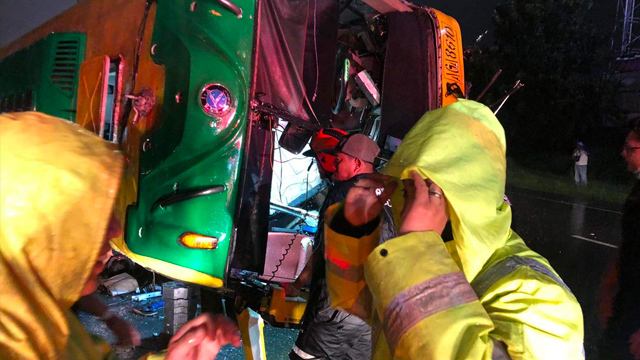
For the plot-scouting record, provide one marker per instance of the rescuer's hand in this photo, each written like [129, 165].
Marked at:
[362, 205]
[126, 333]
[634, 342]
[425, 207]
[202, 338]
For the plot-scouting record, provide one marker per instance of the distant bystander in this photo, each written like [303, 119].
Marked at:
[581, 159]
[620, 304]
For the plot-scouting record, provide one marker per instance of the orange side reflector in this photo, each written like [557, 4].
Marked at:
[197, 241]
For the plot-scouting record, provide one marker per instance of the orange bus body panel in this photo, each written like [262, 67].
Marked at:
[450, 59]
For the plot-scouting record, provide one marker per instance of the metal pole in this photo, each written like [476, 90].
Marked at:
[493, 79]
[626, 26]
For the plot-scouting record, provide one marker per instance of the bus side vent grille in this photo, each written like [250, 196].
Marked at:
[65, 65]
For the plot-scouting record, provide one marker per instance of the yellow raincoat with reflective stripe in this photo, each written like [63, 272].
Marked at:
[482, 295]
[58, 183]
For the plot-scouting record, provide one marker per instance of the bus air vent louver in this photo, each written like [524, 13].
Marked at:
[65, 65]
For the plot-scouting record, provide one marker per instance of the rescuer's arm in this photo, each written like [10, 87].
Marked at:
[293, 288]
[200, 338]
[91, 304]
[125, 332]
[427, 308]
[349, 242]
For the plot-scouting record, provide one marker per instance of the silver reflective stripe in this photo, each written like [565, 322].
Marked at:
[350, 272]
[499, 351]
[505, 267]
[303, 355]
[423, 300]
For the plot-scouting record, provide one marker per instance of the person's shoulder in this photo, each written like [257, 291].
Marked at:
[340, 189]
[633, 199]
[358, 177]
[348, 184]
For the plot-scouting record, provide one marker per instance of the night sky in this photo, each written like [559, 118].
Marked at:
[19, 17]
[474, 16]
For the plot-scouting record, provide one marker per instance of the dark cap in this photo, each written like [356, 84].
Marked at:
[359, 146]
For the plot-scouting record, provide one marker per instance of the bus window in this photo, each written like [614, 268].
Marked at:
[109, 129]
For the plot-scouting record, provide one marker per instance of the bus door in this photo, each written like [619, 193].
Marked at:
[182, 222]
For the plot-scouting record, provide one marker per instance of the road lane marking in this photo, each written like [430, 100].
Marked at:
[594, 241]
[563, 202]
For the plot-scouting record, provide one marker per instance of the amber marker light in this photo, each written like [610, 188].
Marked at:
[197, 241]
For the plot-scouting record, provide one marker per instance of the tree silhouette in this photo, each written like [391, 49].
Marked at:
[561, 59]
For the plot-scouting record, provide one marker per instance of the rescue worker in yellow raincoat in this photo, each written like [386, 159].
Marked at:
[58, 183]
[482, 294]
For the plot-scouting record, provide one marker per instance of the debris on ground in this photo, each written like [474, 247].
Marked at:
[147, 296]
[150, 309]
[120, 284]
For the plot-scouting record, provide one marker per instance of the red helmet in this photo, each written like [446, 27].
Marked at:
[326, 139]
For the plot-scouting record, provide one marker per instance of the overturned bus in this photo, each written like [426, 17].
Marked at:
[214, 101]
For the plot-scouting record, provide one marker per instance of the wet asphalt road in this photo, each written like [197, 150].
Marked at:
[579, 238]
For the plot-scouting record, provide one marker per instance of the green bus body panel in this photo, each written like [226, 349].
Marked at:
[43, 76]
[187, 148]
